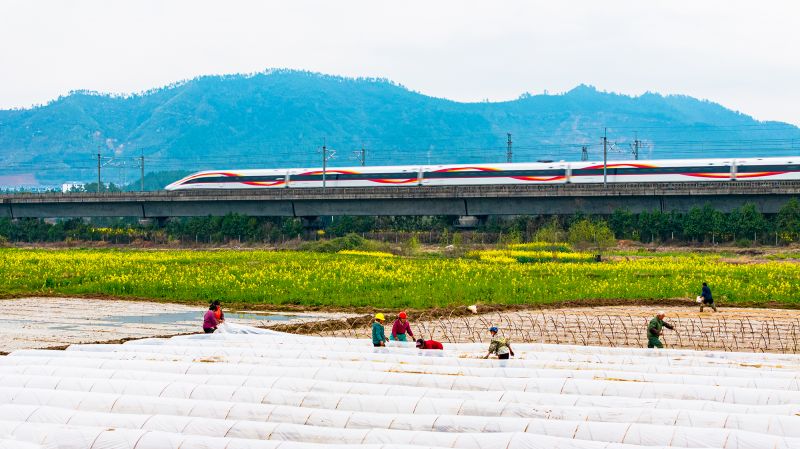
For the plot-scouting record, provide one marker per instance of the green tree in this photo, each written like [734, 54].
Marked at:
[718, 225]
[347, 224]
[623, 223]
[292, 227]
[647, 223]
[697, 224]
[748, 221]
[410, 246]
[234, 226]
[551, 232]
[788, 221]
[514, 236]
[591, 234]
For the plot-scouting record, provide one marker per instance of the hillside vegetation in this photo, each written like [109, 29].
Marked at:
[281, 118]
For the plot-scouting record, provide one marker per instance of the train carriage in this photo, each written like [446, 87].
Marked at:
[232, 179]
[356, 176]
[480, 174]
[674, 170]
[767, 168]
[652, 171]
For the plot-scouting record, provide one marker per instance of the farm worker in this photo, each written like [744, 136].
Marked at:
[499, 345]
[401, 327]
[707, 299]
[654, 330]
[210, 320]
[378, 333]
[429, 344]
[218, 311]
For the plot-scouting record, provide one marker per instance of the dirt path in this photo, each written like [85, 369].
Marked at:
[739, 329]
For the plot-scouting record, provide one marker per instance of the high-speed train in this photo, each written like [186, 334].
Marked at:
[675, 170]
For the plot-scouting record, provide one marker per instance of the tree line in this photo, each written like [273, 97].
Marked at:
[744, 226]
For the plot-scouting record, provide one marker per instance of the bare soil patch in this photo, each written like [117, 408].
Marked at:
[731, 329]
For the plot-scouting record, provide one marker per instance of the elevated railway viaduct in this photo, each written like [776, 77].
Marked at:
[476, 201]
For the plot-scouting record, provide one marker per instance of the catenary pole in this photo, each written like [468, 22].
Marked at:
[509, 152]
[141, 168]
[605, 157]
[98, 169]
[324, 160]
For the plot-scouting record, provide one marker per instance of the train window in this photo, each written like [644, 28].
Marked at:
[369, 176]
[760, 168]
[234, 179]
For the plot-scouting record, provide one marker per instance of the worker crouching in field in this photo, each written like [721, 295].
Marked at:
[654, 330]
[210, 320]
[499, 345]
[218, 314]
[429, 344]
[378, 333]
[401, 327]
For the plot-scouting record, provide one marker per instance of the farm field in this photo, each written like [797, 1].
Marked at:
[733, 329]
[30, 323]
[256, 389]
[373, 281]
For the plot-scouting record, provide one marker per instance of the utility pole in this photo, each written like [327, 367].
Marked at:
[324, 160]
[141, 167]
[361, 155]
[635, 146]
[584, 153]
[326, 154]
[605, 157]
[98, 169]
[509, 152]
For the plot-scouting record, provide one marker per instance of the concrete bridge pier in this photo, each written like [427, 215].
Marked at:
[470, 221]
[311, 223]
[159, 222]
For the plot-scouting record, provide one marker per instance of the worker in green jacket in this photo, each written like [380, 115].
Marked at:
[378, 333]
[654, 330]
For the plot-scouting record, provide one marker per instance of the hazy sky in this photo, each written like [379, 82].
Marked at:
[743, 54]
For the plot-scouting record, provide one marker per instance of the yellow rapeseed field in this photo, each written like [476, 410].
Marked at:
[354, 252]
[512, 255]
[282, 277]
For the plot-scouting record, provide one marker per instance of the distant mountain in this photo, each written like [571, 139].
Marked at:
[282, 118]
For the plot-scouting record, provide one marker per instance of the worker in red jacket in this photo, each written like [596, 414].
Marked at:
[429, 344]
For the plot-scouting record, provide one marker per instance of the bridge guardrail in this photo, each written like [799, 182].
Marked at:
[333, 193]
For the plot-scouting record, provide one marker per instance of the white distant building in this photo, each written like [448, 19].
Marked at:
[69, 185]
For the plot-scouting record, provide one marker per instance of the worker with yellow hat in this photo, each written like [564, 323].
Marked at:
[378, 333]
